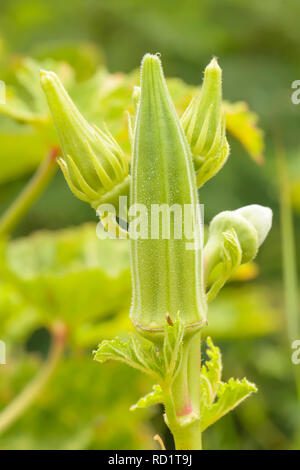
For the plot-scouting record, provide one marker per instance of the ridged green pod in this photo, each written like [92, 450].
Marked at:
[167, 274]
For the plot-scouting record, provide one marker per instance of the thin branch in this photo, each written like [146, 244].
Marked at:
[29, 394]
[30, 193]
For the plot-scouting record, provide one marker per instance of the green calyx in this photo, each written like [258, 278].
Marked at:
[92, 162]
[167, 273]
[204, 126]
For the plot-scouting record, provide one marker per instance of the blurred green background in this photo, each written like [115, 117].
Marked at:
[69, 275]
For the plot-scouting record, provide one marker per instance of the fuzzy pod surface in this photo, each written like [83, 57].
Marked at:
[167, 268]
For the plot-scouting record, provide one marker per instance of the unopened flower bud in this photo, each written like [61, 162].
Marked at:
[92, 162]
[260, 217]
[251, 225]
[204, 126]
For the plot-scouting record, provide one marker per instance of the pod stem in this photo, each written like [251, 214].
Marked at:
[188, 437]
[183, 404]
[30, 194]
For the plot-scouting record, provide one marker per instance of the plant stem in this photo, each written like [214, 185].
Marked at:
[28, 395]
[288, 255]
[188, 437]
[288, 248]
[183, 404]
[30, 193]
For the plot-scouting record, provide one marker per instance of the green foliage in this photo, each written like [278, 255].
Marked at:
[26, 104]
[229, 396]
[79, 409]
[18, 318]
[21, 150]
[159, 361]
[152, 398]
[242, 124]
[134, 353]
[219, 398]
[70, 275]
[211, 372]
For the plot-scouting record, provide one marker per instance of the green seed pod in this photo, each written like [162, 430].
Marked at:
[204, 125]
[251, 224]
[167, 276]
[92, 162]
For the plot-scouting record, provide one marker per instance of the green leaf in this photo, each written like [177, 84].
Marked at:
[161, 362]
[219, 398]
[229, 396]
[21, 150]
[139, 354]
[211, 371]
[72, 275]
[76, 410]
[26, 102]
[152, 398]
[18, 318]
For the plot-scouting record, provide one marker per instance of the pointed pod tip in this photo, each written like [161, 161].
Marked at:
[46, 74]
[151, 71]
[213, 68]
[151, 62]
[151, 58]
[47, 77]
[214, 64]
